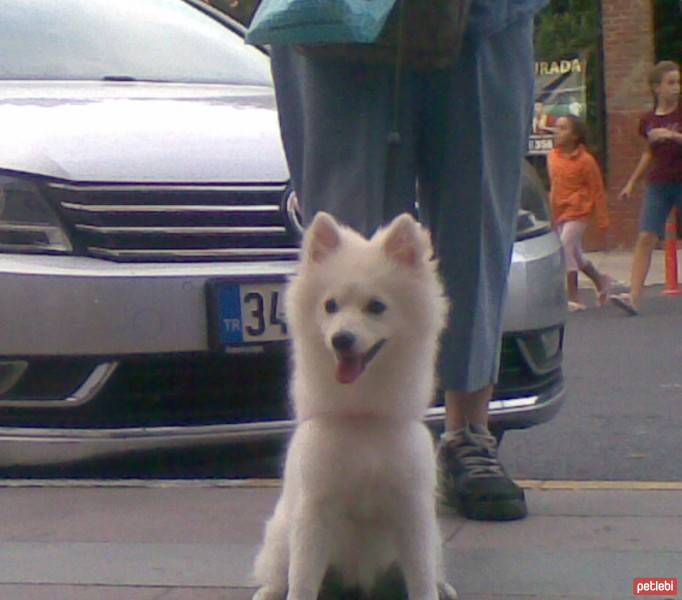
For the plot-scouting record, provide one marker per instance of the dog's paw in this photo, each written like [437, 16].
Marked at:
[446, 591]
[269, 593]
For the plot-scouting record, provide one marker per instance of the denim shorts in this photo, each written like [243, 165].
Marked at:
[659, 200]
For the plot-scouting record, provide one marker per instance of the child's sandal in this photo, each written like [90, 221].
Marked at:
[624, 302]
[575, 306]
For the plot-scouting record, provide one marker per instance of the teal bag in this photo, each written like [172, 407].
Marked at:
[318, 21]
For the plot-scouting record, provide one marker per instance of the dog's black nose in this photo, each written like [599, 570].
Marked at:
[343, 341]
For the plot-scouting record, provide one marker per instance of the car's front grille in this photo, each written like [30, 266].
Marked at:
[172, 391]
[47, 380]
[212, 389]
[176, 222]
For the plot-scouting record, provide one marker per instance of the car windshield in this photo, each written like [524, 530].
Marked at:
[124, 40]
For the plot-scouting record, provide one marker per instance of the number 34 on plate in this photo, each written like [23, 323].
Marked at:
[251, 313]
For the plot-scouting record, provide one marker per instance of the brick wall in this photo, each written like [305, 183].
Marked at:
[628, 54]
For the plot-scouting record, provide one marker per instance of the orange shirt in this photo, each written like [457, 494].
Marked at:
[577, 191]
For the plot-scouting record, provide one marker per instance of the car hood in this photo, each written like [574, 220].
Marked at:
[141, 132]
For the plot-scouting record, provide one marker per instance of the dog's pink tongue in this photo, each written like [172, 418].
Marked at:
[348, 369]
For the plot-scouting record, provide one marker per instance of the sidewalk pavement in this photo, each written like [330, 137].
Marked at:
[618, 263]
[195, 540]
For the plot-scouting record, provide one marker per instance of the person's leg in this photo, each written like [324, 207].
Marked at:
[335, 118]
[641, 262]
[476, 127]
[657, 205]
[467, 407]
[572, 290]
[676, 194]
[570, 234]
[603, 282]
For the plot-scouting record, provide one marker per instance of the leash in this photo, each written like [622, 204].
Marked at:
[394, 140]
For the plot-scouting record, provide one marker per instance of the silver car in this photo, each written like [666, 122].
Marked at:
[147, 226]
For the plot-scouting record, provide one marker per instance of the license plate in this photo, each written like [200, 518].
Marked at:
[246, 313]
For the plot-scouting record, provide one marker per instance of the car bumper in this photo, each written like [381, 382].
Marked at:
[106, 312]
[23, 446]
[536, 296]
[60, 306]
[72, 306]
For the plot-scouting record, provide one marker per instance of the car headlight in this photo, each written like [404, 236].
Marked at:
[27, 222]
[534, 217]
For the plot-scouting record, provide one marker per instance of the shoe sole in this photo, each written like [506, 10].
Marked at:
[512, 509]
[494, 510]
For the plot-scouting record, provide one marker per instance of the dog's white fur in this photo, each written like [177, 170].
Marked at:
[359, 481]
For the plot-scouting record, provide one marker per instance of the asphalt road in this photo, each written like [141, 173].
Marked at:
[623, 416]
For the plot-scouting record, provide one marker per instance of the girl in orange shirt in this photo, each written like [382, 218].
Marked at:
[576, 195]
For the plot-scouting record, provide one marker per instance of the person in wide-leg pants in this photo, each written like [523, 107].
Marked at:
[463, 135]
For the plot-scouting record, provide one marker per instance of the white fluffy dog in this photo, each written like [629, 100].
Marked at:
[359, 482]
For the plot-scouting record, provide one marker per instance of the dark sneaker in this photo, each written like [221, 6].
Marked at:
[472, 480]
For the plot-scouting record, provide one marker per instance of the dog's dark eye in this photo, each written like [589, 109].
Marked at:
[330, 306]
[375, 307]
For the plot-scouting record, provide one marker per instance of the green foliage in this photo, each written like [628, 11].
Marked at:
[566, 28]
[668, 30]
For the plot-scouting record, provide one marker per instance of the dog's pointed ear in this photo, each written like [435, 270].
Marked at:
[406, 242]
[322, 238]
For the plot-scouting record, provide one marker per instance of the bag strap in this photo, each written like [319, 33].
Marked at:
[393, 140]
[398, 71]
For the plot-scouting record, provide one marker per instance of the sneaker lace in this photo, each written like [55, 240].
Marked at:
[477, 452]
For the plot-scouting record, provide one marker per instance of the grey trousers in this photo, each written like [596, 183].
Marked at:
[463, 135]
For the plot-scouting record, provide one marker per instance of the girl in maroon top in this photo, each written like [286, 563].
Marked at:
[662, 159]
